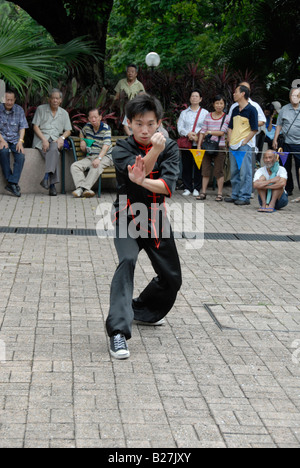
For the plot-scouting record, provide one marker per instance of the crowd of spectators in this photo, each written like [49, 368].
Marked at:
[243, 130]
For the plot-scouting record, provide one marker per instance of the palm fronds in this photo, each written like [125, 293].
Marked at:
[26, 54]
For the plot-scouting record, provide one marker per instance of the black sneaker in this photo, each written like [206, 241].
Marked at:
[242, 202]
[52, 191]
[229, 200]
[118, 347]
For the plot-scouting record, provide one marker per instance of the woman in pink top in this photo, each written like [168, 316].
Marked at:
[215, 124]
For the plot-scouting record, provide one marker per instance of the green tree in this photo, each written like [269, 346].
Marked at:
[180, 31]
[68, 20]
[261, 36]
[260, 33]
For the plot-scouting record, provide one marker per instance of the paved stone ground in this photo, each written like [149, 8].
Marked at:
[223, 372]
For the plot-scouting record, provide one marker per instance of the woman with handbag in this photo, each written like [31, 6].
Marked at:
[189, 126]
[212, 139]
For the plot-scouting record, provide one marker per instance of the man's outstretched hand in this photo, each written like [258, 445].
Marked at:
[137, 173]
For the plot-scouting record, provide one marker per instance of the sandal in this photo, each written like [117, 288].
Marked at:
[270, 210]
[267, 210]
[202, 196]
[219, 198]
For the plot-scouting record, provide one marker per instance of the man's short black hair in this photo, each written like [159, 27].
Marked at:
[11, 91]
[270, 108]
[93, 109]
[244, 89]
[196, 90]
[131, 65]
[142, 104]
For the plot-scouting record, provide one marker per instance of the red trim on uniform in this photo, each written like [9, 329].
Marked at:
[143, 147]
[146, 149]
[167, 187]
[120, 211]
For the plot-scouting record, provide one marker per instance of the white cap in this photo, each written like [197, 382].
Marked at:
[277, 105]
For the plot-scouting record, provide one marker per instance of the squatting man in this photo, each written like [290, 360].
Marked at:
[270, 182]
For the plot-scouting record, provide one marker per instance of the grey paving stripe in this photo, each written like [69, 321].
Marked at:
[178, 235]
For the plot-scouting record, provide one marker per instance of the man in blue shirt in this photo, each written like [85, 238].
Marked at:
[12, 131]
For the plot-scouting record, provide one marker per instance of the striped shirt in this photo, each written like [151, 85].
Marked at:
[101, 137]
[214, 125]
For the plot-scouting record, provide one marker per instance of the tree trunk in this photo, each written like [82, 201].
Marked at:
[67, 21]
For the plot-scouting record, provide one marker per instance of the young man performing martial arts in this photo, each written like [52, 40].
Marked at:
[147, 167]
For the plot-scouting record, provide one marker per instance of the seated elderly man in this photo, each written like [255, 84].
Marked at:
[96, 143]
[270, 182]
[12, 131]
[51, 125]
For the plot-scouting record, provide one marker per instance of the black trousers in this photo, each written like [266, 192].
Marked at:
[159, 296]
[288, 165]
[191, 175]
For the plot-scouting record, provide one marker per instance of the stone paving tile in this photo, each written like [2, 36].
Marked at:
[225, 379]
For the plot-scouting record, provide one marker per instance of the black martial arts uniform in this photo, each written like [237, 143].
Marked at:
[155, 238]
